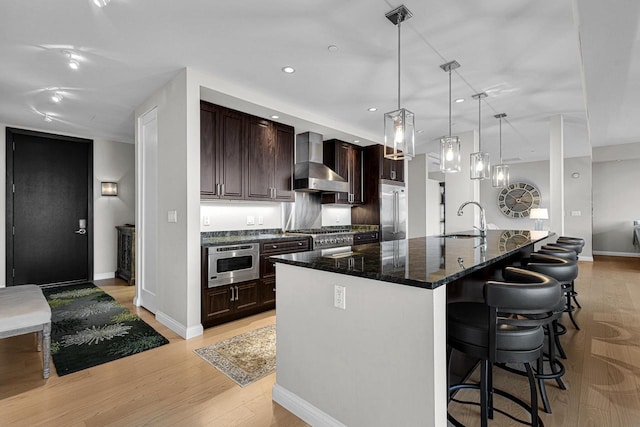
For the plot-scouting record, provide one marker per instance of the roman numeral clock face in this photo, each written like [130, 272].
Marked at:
[517, 199]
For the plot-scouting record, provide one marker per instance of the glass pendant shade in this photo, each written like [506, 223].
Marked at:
[399, 134]
[480, 165]
[450, 154]
[500, 175]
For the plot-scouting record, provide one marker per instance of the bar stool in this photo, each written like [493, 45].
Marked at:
[572, 243]
[497, 331]
[564, 271]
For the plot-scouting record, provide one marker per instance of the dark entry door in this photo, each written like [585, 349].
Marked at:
[49, 208]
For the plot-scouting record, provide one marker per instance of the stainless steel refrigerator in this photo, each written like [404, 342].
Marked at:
[393, 211]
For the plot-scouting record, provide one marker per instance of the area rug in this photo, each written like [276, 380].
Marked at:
[244, 358]
[89, 328]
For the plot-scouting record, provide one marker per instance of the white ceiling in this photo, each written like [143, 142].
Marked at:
[535, 59]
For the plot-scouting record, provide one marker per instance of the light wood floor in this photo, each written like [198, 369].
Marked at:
[171, 386]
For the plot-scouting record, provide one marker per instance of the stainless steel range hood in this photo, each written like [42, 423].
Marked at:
[310, 173]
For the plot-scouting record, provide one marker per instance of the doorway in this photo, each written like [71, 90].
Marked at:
[49, 208]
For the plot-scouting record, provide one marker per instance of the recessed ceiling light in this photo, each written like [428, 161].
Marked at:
[332, 48]
[101, 3]
[356, 140]
[420, 131]
[47, 118]
[275, 117]
[73, 64]
[372, 109]
[288, 69]
[56, 97]
[459, 100]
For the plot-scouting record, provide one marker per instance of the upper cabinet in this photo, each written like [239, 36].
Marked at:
[383, 168]
[243, 157]
[346, 160]
[222, 158]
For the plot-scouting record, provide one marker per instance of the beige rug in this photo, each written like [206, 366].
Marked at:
[244, 358]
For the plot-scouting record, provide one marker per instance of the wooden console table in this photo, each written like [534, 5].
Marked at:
[126, 269]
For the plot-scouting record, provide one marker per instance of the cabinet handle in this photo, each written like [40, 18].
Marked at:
[232, 297]
[275, 192]
[300, 243]
[274, 289]
[237, 293]
[222, 189]
[393, 174]
[274, 246]
[217, 189]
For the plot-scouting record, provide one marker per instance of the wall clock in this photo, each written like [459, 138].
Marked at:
[517, 199]
[513, 239]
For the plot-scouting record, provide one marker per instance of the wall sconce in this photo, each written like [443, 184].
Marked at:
[109, 188]
[539, 214]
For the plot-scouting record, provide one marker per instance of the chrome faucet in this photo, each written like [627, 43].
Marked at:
[483, 224]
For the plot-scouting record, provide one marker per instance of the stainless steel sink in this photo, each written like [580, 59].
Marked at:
[459, 236]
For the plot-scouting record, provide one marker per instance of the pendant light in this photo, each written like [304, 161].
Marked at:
[500, 173]
[399, 125]
[450, 145]
[479, 162]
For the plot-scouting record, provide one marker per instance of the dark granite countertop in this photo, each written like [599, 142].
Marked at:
[425, 262]
[217, 238]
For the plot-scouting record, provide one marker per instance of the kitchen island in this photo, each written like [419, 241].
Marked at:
[380, 360]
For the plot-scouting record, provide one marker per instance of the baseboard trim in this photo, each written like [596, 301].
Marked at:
[622, 254]
[585, 258]
[302, 409]
[103, 276]
[179, 328]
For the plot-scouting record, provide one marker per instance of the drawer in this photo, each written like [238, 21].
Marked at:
[284, 247]
[366, 237]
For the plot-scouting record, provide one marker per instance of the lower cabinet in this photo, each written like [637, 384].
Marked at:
[224, 303]
[366, 237]
[230, 302]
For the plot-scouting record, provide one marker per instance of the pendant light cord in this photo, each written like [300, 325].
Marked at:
[500, 140]
[479, 124]
[449, 101]
[399, 23]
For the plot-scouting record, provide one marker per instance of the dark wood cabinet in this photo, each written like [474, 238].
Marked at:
[270, 165]
[243, 157]
[268, 270]
[222, 153]
[388, 169]
[224, 303]
[346, 160]
[126, 263]
[366, 237]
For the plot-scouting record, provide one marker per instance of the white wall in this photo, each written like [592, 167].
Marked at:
[459, 188]
[417, 196]
[232, 215]
[578, 202]
[112, 161]
[535, 173]
[178, 248]
[616, 204]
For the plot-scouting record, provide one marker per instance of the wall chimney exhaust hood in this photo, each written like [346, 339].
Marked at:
[310, 173]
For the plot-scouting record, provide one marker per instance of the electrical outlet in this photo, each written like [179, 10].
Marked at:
[260, 220]
[172, 216]
[340, 297]
[205, 220]
[251, 220]
[576, 213]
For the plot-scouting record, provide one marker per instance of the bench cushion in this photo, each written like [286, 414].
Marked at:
[22, 307]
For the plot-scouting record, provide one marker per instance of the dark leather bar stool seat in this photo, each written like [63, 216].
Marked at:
[507, 328]
[564, 271]
[576, 244]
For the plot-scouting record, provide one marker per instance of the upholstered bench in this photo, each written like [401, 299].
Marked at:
[24, 309]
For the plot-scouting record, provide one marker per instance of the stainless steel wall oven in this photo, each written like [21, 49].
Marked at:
[233, 264]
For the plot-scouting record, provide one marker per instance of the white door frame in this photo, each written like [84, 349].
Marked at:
[147, 211]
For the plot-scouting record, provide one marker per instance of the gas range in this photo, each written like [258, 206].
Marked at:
[323, 238]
